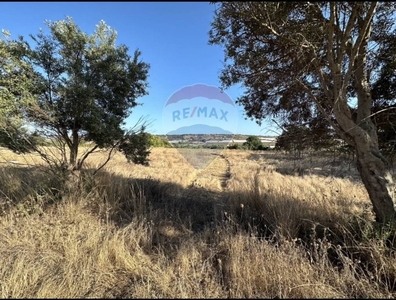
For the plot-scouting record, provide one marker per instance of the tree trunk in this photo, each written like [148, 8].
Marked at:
[74, 149]
[371, 164]
[378, 183]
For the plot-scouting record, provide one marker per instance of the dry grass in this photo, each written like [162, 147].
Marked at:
[237, 228]
[286, 201]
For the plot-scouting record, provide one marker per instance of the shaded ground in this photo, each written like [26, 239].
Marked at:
[178, 214]
[322, 164]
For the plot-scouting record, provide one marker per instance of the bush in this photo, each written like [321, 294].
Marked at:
[135, 147]
[254, 143]
[235, 147]
[156, 141]
[262, 147]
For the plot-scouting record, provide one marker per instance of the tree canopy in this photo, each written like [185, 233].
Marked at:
[299, 60]
[86, 87]
[16, 85]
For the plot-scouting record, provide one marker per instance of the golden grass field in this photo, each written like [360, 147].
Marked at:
[249, 225]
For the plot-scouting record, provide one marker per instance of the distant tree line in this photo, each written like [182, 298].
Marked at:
[252, 143]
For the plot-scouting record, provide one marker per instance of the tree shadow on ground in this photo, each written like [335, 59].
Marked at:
[178, 211]
[194, 208]
[28, 187]
[320, 165]
[174, 212]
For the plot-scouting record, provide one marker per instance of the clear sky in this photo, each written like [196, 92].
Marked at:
[173, 38]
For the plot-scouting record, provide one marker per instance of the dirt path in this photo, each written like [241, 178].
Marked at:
[200, 206]
[206, 193]
[209, 188]
[214, 177]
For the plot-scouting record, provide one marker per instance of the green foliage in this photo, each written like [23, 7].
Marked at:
[214, 146]
[234, 146]
[280, 52]
[262, 147]
[253, 143]
[384, 88]
[293, 138]
[17, 79]
[156, 141]
[320, 135]
[87, 87]
[39, 140]
[316, 135]
[383, 91]
[16, 138]
[135, 147]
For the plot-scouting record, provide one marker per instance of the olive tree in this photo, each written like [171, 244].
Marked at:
[87, 87]
[16, 85]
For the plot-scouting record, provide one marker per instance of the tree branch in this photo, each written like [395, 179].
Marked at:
[347, 34]
[84, 157]
[355, 48]
[330, 44]
[326, 115]
[108, 158]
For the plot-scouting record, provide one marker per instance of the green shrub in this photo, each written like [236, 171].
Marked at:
[156, 141]
[253, 143]
[235, 147]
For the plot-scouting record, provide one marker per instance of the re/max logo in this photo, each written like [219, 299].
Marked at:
[199, 112]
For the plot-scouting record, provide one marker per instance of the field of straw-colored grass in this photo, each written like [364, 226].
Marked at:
[250, 224]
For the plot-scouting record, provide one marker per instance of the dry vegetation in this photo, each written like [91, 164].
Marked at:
[249, 225]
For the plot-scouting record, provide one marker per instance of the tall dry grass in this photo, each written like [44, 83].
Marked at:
[289, 201]
[237, 229]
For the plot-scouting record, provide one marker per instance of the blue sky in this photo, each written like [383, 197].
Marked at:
[173, 39]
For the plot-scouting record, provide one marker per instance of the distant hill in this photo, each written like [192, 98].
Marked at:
[199, 129]
[229, 136]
